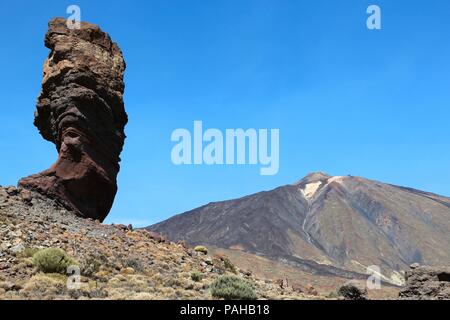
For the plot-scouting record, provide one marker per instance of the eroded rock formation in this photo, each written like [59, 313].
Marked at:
[427, 283]
[81, 110]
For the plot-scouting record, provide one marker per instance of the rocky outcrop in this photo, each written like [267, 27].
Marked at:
[81, 110]
[427, 283]
[115, 263]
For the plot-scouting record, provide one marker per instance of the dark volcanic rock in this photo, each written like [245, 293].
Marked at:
[425, 283]
[353, 290]
[81, 110]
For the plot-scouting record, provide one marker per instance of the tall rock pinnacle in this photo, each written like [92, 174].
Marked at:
[81, 110]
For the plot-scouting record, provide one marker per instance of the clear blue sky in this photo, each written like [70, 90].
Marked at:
[346, 100]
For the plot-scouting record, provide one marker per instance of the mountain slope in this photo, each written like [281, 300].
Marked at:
[327, 225]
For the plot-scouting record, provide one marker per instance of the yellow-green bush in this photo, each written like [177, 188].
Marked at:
[52, 260]
[201, 249]
[232, 288]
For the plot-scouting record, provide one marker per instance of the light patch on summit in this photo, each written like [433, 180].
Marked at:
[338, 179]
[310, 189]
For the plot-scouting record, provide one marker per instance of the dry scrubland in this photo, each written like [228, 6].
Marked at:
[115, 262]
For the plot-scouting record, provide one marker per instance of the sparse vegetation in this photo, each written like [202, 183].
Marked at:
[228, 264]
[121, 265]
[90, 266]
[232, 288]
[47, 284]
[196, 276]
[333, 295]
[135, 264]
[223, 264]
[52, 260]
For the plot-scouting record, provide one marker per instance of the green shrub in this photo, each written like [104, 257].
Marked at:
[196, 276]
[228, 264]
[135, 264]
[52, 260]
[201, 249]
[333, 295]
[232, 288]
[90, 266]
[222, 264]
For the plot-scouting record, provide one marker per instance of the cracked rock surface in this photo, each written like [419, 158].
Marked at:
[81, 110]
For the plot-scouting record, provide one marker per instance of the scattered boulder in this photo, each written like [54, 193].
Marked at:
[156, 236]
[298, 288]
[182, 243]
[311, 290]
[426, 283]
[414, 265]
[17, 248]
[283, 283]
[127, 271]
[81, 110]
[26, 196]
[308, 289]
[353, 290]
[11, 191]
[6, 285]
[123, 227]
[247, 273]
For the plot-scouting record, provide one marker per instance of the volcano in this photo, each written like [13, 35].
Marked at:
[326, 225]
